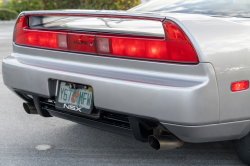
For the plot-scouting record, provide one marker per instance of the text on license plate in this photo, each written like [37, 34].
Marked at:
[75, 97]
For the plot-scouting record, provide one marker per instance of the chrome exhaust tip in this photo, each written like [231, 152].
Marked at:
[30, 108]
[164, 142]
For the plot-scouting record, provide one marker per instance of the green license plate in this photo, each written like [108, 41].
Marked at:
[79, 100]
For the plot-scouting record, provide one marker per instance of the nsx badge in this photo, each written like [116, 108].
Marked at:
[71, 107]
[80, 42]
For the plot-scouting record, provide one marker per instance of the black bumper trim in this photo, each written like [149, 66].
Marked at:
[91, 123]
[110, 120]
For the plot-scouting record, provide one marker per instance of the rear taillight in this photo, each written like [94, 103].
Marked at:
[19, 30]
[179, 47]
[54, 40]
[39, 38]
[175, 47]
[128, 46]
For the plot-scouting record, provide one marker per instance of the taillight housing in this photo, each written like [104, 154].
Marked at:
[174, 47]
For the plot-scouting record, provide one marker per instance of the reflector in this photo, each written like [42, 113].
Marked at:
[239, 86]
[62, 41]
[103, 45]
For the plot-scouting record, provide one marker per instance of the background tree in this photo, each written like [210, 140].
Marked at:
[25, 5]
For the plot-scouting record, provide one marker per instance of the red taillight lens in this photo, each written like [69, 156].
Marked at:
[239, 86]
[56, 40]
[173, 32]
[141, 48]
[19, 30]
[179, 47]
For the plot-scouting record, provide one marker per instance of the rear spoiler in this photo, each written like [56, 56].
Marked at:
[118, 22]
[97, 13]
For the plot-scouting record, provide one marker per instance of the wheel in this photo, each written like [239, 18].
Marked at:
[242, 148]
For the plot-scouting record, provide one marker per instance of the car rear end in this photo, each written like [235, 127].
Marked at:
[129, 73]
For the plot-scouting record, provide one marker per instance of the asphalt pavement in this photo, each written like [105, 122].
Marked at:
[30, 140]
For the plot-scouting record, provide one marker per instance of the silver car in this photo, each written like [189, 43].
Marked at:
[165, 72]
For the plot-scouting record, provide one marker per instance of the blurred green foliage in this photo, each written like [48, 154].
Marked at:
[24, 5]
[6, 14]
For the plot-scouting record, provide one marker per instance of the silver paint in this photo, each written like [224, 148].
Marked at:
[196, 110]
[162, 75]
[225, 43]
[187, 105]
[210, 133]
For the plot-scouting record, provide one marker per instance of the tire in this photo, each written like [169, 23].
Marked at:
[242, 148]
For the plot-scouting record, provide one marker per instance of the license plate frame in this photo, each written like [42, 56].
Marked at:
[74, 108]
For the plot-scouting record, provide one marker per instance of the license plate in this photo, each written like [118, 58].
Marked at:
[77, 100]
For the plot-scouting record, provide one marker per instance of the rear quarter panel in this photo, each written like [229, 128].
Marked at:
[225, 43]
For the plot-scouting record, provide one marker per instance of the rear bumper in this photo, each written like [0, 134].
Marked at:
[186, 109]
[189, 103]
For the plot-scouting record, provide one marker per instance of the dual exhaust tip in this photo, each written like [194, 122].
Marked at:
[164, 142]
[30, 108]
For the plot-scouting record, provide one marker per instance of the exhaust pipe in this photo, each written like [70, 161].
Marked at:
[164, 142]
[30, 108]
